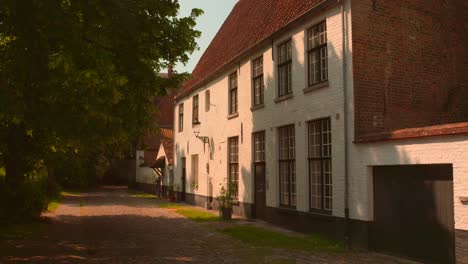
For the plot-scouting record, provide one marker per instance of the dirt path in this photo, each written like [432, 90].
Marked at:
[111, 226]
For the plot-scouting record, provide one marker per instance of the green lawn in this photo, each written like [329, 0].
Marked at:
[170, 205]
[191, 213]
[261, 237]
[198, 215]
[138, 194]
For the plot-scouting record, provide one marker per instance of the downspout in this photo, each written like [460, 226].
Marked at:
[346, 133]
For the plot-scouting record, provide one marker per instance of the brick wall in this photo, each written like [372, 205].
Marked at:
[410, 64]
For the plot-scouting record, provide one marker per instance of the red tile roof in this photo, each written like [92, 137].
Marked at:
[250, 22]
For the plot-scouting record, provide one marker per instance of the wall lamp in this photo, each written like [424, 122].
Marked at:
[196, 131]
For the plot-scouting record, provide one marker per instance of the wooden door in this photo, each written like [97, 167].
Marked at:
[184, 179]
[413, 212]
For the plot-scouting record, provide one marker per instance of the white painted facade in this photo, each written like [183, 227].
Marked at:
[144, 174]
[303, 107]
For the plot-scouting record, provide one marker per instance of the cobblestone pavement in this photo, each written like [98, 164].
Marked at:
[111, 226]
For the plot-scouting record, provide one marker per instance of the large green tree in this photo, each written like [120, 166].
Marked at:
[76, 76]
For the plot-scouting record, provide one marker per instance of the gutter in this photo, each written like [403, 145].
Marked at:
[346, 134]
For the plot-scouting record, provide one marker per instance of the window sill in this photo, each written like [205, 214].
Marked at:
[287, 209]
[231, 116]
[260, 106]
[318, 212]
[284, 98]
[316, 87]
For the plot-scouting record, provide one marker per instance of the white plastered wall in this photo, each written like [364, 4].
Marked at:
[321, 103]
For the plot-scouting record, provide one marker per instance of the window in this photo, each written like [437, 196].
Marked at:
[317, 53]
[234, 165]
[284, 68]
[207, 101]
[195, 109]
[233, 93]
[259, 147]
[320, 167]
[287, 166]
[257, 81]
[194, 169]
[181, 117]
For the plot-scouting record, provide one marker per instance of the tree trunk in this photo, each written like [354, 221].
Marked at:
[15, 157]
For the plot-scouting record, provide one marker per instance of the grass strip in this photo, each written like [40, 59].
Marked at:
[261, 237]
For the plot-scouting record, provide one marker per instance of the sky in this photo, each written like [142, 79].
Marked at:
[215, 12]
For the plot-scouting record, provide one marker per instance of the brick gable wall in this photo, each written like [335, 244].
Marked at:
[410, 60]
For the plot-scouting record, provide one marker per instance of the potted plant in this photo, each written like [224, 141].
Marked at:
[225, 201]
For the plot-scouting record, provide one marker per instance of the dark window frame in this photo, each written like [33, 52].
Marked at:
[322, 159]
[289, 163]
[284, 65]
[207, 100]
[181, 117]
[258, 78]
[233, 166]
[320, 51]
[233, 94]
[262, 150]
[195, 109]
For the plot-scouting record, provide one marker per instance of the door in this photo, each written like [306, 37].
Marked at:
[260, 191]
[184, 179]
[413, 212]
[259, 175]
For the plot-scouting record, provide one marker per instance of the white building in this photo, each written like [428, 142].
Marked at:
[276, 105]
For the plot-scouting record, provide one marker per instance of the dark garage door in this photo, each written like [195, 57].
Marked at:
[413, 212]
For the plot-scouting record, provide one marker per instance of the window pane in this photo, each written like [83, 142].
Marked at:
[326, 138]
[327, 173]
[195, 108]
[195, 169]
[207, 101]
[284, 183]
[292, 179]
[318, 57]
[233, 156]
[259, 147]
[315, 174]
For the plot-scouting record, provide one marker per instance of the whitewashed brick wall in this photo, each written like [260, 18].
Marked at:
[325, 102]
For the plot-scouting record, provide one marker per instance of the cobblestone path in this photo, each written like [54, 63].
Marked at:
[111, 226]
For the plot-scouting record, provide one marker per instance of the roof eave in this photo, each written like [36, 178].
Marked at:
[266, 41]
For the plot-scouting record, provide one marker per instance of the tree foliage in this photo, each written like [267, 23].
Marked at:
[76, 76]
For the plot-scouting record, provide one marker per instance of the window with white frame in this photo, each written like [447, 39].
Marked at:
[285, 68]
[233, 159]
[207, 101]
[287, 165]
[257, 81]
[195, 116]
[259, 147]
[317, 53]
[181, 117]
[320, 164]
[194, 170]
[233, 100]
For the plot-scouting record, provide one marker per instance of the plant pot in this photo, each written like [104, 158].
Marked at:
[225, 214]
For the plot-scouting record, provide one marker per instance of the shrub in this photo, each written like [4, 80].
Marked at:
[26, 202]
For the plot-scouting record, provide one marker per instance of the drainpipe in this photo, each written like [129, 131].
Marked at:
[346, 134]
